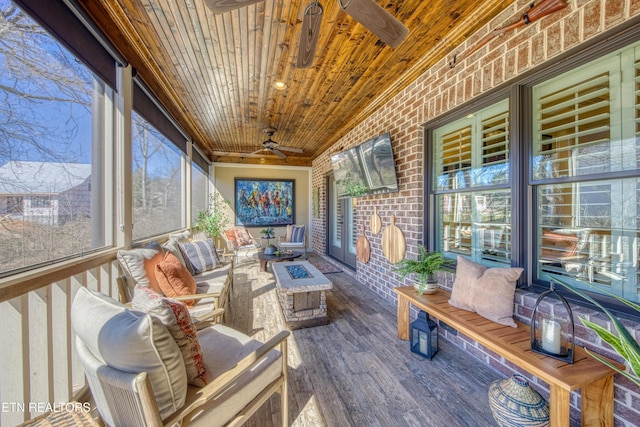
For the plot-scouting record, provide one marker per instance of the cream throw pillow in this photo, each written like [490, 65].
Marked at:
[175, 316]
[486, 291]
[132, 342]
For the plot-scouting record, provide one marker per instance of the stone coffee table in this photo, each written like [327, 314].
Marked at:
[301, 289]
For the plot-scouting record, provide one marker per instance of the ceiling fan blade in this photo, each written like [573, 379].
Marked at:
[377, 20]
[293, 150]
[221, 6]
[309, 35]
[279, 153]
[235, 154]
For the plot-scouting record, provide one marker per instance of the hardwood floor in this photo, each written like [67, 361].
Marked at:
[355, 371]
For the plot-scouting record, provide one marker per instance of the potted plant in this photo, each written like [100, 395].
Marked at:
[213, 221]
[268, 233]
[424, 268]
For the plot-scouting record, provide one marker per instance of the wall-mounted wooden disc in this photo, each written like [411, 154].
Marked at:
[375, 223]
[394, 245]
[363, 249]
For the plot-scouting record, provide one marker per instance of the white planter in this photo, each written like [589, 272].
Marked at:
[428, 288]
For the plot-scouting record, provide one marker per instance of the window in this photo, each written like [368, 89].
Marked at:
[158, 181]
[473, 210]
[199, 185]
[585, 143]
[578, 160]
[40, 202]
[50, 103]
[14, 204]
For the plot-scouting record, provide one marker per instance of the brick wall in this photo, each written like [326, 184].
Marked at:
[439, 90]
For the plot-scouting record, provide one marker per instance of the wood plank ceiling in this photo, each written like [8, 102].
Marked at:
[216, 72]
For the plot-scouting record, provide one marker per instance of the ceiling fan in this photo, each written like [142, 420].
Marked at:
[221, 6]
[370, 14]
[274, 147]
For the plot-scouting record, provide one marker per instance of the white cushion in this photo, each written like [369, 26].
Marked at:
[213, 280]
[132, 342]
[172, 244]
[210, 282]
[132, 263]
[292, 244]
[183, 236]
[223, 348]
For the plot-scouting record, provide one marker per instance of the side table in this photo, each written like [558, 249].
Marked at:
[264, 259]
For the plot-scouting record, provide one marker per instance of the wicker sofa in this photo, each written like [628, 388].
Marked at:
[213, 286]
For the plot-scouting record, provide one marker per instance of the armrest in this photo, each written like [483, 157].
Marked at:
[209, 319]
[211, 391]
[198, 296]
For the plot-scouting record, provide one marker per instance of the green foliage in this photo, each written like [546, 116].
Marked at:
[352, 187]
[424, 266]
[215, 219]
[624, 344]
[268, 233]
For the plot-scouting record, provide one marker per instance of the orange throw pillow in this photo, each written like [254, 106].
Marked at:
[174, 279]
[150, 270]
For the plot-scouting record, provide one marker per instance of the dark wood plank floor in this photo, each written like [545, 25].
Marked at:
[355, 371]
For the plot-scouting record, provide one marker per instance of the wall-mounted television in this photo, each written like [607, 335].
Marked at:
[366, 169]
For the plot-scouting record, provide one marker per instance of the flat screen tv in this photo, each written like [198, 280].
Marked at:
[366, 169]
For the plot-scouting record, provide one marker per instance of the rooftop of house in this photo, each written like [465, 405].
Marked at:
[21, 177]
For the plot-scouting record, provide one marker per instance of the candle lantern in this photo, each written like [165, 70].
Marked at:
[553, 334]
[424, 336]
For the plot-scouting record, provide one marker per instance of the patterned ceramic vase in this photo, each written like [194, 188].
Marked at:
[514, 403]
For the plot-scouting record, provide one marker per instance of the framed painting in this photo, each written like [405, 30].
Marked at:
[264, 202]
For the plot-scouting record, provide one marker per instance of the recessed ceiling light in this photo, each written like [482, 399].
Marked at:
[280, 85]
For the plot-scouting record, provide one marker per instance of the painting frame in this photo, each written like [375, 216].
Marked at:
[264, 202]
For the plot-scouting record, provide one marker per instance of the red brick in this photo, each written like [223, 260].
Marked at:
[460, 92]
[554, 40]
[509, 65]
[572, 30]
[613, 12]
[498, 71]
[477, 82]
[591, 19]
[487, 75]
[523, 57]
[537, 49]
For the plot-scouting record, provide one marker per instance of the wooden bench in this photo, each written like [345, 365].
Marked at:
[514, 344]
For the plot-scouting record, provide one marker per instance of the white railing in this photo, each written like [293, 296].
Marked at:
[38, 363]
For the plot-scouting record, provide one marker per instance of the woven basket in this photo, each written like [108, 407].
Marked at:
[514, 403]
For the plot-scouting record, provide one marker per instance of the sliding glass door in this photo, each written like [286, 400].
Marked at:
[341, 232]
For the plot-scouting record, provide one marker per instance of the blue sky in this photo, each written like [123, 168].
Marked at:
[35, 127]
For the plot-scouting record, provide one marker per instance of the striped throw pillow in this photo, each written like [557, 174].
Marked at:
[200, 256]
[297, 234]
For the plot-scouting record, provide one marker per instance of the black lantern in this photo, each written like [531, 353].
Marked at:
[424, 336]
[552, 334]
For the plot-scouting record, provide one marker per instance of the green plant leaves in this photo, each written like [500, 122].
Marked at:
[423, 267]
[214, 220]
[624, 344]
